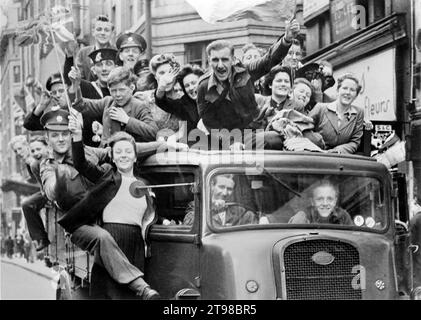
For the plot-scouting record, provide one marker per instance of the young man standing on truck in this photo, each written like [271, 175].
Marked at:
[225, 95]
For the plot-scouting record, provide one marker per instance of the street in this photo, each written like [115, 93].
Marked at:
[20, 284]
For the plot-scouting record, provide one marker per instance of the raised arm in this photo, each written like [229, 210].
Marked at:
[276, 53]
[92, 108]
[86, 168]
[32, 119]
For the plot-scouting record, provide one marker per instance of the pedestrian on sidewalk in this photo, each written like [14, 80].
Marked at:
[9, 247]
[3, 246]
[29, 248]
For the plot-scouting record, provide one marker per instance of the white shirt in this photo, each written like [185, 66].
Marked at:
[124, 208]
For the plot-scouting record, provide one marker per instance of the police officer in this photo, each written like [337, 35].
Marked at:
[130, 47]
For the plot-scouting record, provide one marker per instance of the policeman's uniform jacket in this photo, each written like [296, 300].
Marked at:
[141, 125]
[235, 106]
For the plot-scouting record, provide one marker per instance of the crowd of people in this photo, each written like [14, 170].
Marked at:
[21, 246]
[109, 107]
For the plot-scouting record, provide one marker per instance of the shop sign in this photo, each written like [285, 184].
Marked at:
[378, 79]
[314, 7]
[343, 15]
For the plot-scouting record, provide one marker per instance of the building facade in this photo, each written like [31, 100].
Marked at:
[17, 65]
[373, 40]
[177, 28]
[174, 27]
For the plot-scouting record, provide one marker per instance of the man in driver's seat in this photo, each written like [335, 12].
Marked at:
[224, 213]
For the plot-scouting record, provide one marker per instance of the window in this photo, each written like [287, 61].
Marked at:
[195, 54]
[16, 74]
[292, 199]
[174, 201]
[131, 13]
[140, 8]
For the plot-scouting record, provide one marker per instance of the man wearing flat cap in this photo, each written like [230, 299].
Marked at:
[54, 96]
[130, 47]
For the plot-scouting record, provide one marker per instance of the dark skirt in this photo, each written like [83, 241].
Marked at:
[129, 239]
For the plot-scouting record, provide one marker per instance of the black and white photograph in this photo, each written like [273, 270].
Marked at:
[229, 152]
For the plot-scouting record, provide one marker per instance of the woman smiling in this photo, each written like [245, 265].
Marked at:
[340, 123]
[125, 217]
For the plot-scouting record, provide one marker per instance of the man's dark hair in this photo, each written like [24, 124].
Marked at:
[102, 18]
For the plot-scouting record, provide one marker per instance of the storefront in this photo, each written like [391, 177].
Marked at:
[379, 56]
[377, 76]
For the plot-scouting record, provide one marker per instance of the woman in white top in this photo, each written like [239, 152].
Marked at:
[125, 217]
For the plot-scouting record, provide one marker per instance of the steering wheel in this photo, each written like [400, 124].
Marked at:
[245, 207]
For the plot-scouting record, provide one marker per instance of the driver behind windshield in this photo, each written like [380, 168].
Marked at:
[222, 187]
[323, 208]
[223, 212]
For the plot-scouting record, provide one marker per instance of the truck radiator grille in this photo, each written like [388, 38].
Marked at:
[308, 280]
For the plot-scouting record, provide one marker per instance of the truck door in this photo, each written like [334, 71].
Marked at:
[173, 268]
[402, 237]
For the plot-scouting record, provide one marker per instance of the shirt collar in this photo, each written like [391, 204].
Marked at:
[67, 157]
[276, 105]
[334, 108]
[236, 69]
[212, 81]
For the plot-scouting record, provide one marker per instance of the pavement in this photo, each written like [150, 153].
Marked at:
[38, 266]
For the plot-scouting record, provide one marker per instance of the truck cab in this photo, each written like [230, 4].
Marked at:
[270, 256]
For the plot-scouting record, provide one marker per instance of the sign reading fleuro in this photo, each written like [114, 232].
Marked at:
[377, 77]
[342, 17]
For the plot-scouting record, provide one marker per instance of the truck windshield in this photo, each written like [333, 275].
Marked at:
[297, 199]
